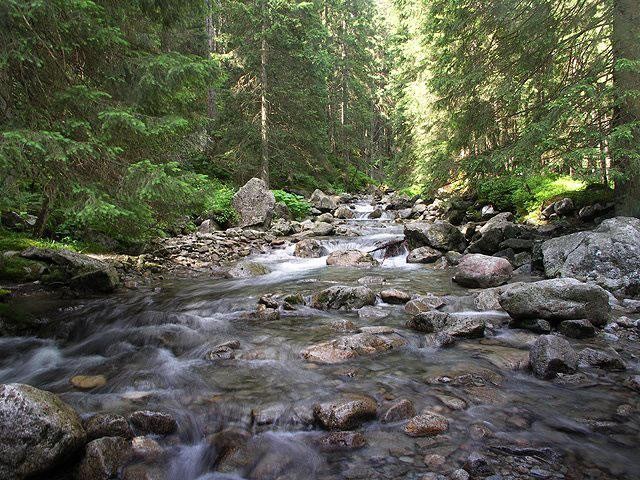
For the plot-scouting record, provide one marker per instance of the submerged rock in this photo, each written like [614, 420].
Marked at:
[350, 258]
[481, 271]
[247, 270]
[37, 430]
[343, 297]
[158, 423]
[345, 414]
[352, 346]
[426, 425]
[340, 441]
[88, 382]
[310, 248]
[556, 300]
[254, 203]
[608, 256]
[550, 355]
[399, 410]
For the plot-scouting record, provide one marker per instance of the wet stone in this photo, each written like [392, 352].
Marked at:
[604, 359]
[426, 425]
[400, 410]
[107, 425]
[159, 423]
[577, 329]
[341, 441]
[394, 296]
[346, 414]
[88, 382]
[104, 458]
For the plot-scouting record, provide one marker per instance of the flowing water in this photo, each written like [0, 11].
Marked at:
[151, 344]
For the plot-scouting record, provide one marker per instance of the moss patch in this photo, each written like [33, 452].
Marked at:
[18, 269]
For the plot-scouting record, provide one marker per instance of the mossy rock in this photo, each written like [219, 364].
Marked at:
[20, 270]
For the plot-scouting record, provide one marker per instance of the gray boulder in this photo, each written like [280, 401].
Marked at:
[440, 235]
[310, 248]
[343, 297]
[605, 359]
[557, 300]
[395, 296]
[424, 255]
[322, 229]
[550, 355]
[353, 346]
[324, 202]
[481, 271]
[37, 431]
[608, 256]
[344, 212]
[350, 258]
[104, 458]
[577, 329]
[81, 272]
[254, 203]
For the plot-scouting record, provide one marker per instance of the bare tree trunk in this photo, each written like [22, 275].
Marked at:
[344, 87]
[264, 106]
[43, 215]
[626, 152]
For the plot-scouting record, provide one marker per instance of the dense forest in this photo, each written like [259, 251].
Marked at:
[119, 118]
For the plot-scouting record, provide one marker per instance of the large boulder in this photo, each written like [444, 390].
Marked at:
[608, 256]
[481, 271]
[350, 258]
[557, 300]
[343, 297]
[324, 202]
[353, 346]
[344, 212]
[424, 255]
[37, 431]
[254, 203]
[81, 272]
[310, 248]
[440, 235]
[550, 355]
[493, 233]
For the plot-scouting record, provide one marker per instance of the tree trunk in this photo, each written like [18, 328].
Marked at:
[344, 87]
[212, 94]
[264, 107]
[43, 216]
[626, 152]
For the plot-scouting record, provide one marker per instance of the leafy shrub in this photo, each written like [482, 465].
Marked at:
[297, 205]
[218, 204]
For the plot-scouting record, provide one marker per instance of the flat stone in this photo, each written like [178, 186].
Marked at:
[346, 414]
[426, 425]
[88, 382]
[153, 422]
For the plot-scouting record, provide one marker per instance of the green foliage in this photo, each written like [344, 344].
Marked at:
[297, 205]
[18, 269]
[218, 204]
[527, 196]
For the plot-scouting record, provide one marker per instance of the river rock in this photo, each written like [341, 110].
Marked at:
[481, 271]
[557, 300]
[343, 297]
[346, 414]
[577, 329]
[377, 213]
[426, 425]
[158, 423]
[608, 256]
[424, 255]
[80, 272]
[37, 431]
[352, 346]
[428, 322]
[107, 425]
[322, 229]
[464, 326]
[394, 296]
[605, 359]
[341, 441]
[254, 203]
[247, 269]
[550, 355]
[310, 248]
[489, 298]
[344, 212]
[424, 303]
[536, 325]
[88, 382]
[350, 258]
[399, 410]
[440, 235]
[104, 458]
[323, 202]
